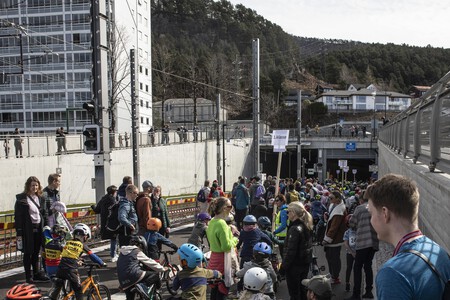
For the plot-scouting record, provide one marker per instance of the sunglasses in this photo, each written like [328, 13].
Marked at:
[229, 206]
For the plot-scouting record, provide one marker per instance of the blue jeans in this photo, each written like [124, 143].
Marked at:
[113, 246]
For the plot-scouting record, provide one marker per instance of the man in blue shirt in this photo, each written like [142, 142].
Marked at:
[394, 205]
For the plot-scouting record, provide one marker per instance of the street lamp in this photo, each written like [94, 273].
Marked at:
[374, 94]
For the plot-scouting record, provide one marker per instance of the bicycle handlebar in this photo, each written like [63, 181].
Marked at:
[171, 252]
[92, 264]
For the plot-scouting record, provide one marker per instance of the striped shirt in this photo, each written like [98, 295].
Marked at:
[366, 237]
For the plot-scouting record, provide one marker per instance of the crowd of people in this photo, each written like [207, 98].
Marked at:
[242, 233]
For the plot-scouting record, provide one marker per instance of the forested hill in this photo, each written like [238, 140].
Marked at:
[208, 44]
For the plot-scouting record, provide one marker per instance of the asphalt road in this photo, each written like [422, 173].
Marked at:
[108, 275]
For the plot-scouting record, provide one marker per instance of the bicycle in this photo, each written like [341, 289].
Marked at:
[146, 293]
[171, 272]
[90, 287]
[314, 267]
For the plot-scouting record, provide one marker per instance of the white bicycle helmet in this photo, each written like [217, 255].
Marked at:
[255, 279]
[82, 229]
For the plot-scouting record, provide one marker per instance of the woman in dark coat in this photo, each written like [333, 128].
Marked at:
[102, 208]
[297, 249]
[30, 213]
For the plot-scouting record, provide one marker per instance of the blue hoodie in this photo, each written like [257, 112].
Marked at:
[248, 238]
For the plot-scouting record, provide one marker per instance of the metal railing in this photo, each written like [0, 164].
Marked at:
[422, 132]
[35, 146]
[182, 210]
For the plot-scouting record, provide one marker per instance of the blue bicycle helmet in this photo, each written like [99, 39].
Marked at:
[264, 222]
[262, 248]
[191, 254]
[203, 216]
[250, 219]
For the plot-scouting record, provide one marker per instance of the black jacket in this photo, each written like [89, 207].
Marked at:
[297, 245]
[22, 219]
[102, 209]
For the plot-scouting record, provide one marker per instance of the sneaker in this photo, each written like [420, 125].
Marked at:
[335, 281]
[143, 290]
[347, 287]
[114, 259]
[29, 280]
[40, 277]
[368, 295]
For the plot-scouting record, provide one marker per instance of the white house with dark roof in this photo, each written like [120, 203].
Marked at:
[364, 99]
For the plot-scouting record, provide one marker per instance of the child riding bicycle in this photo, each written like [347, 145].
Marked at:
[193, 278]
[68, 266]
[133, 267]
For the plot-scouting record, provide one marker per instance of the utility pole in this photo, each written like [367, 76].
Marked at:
[256, 112]
[102, 161]
[134, 119]
[299, 134]
[218, 137]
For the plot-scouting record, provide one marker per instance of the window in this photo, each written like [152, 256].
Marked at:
[141, 86]
[146, 104]
[146, 71]
[148, 121]
[142, 103]
[140, 69]
[361, 99]
[146, 87]
[76, 38]
[142, 120]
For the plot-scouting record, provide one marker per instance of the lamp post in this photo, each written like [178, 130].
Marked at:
[374, 94]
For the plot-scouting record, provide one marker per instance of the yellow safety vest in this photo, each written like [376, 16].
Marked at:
[278, 223]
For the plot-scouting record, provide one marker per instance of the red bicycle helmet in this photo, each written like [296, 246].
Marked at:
[23, 291]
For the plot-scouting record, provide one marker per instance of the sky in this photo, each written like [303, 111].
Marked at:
[411, 22]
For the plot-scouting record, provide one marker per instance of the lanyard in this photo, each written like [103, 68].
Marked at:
[408, 236]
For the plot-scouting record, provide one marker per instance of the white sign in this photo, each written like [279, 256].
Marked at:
[346, 169]
[310, 171]
[354, 171]
[280, 139]
[373, 168]
[342, 163]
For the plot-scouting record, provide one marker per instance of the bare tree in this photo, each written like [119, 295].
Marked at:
[119, 70]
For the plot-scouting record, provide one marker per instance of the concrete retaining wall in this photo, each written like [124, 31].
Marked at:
[179, 169]
[434, 188]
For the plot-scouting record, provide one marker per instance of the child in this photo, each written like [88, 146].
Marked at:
[68, 266]
[350, 246]
[261, 254]
[54, 240]
[133, 266]
[153, 237]
[199, 230]
[193, 278]
[249, 236]
[254, 281]
[265, 224]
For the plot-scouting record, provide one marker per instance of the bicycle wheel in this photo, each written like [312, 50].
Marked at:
[105, 294]
[170, 276]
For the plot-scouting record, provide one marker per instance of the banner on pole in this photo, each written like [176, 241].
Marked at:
[280, 139]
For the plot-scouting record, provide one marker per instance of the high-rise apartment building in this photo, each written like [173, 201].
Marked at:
[46, 66]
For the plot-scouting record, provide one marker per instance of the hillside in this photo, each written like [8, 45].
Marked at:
[208, 46]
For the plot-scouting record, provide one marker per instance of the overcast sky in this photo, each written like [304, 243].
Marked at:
[412, 22]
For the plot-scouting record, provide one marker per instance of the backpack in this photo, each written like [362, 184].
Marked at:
[112, 221]
[201, 197]
[293, 196]
[446, 294]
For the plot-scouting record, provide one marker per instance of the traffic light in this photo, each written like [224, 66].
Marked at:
[91, 139]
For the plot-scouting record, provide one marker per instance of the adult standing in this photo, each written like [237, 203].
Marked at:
[102, 208]
[297, 249]
[144, 206]
[159, 210]
[6, 147]
[30, 216]
[127, 139]
[334, 234]
[127, 215]
[195, 130]
[394, 207]
[51, 195]
[165, 135]
[256, 191]
[281, 220]
[366, 246]
[221, 241]
[202, 199]
[62, 135]
[18, 141]
[126, 180]
[151, 136]
[242, 202]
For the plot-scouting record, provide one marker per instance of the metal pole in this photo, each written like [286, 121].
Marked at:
[223, 155]
[299, 135]
[134, 119]
[102, 161]
[255, 49]
[218, 137]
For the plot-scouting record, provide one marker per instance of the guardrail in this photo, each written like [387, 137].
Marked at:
[422, 132]
[182, 210]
